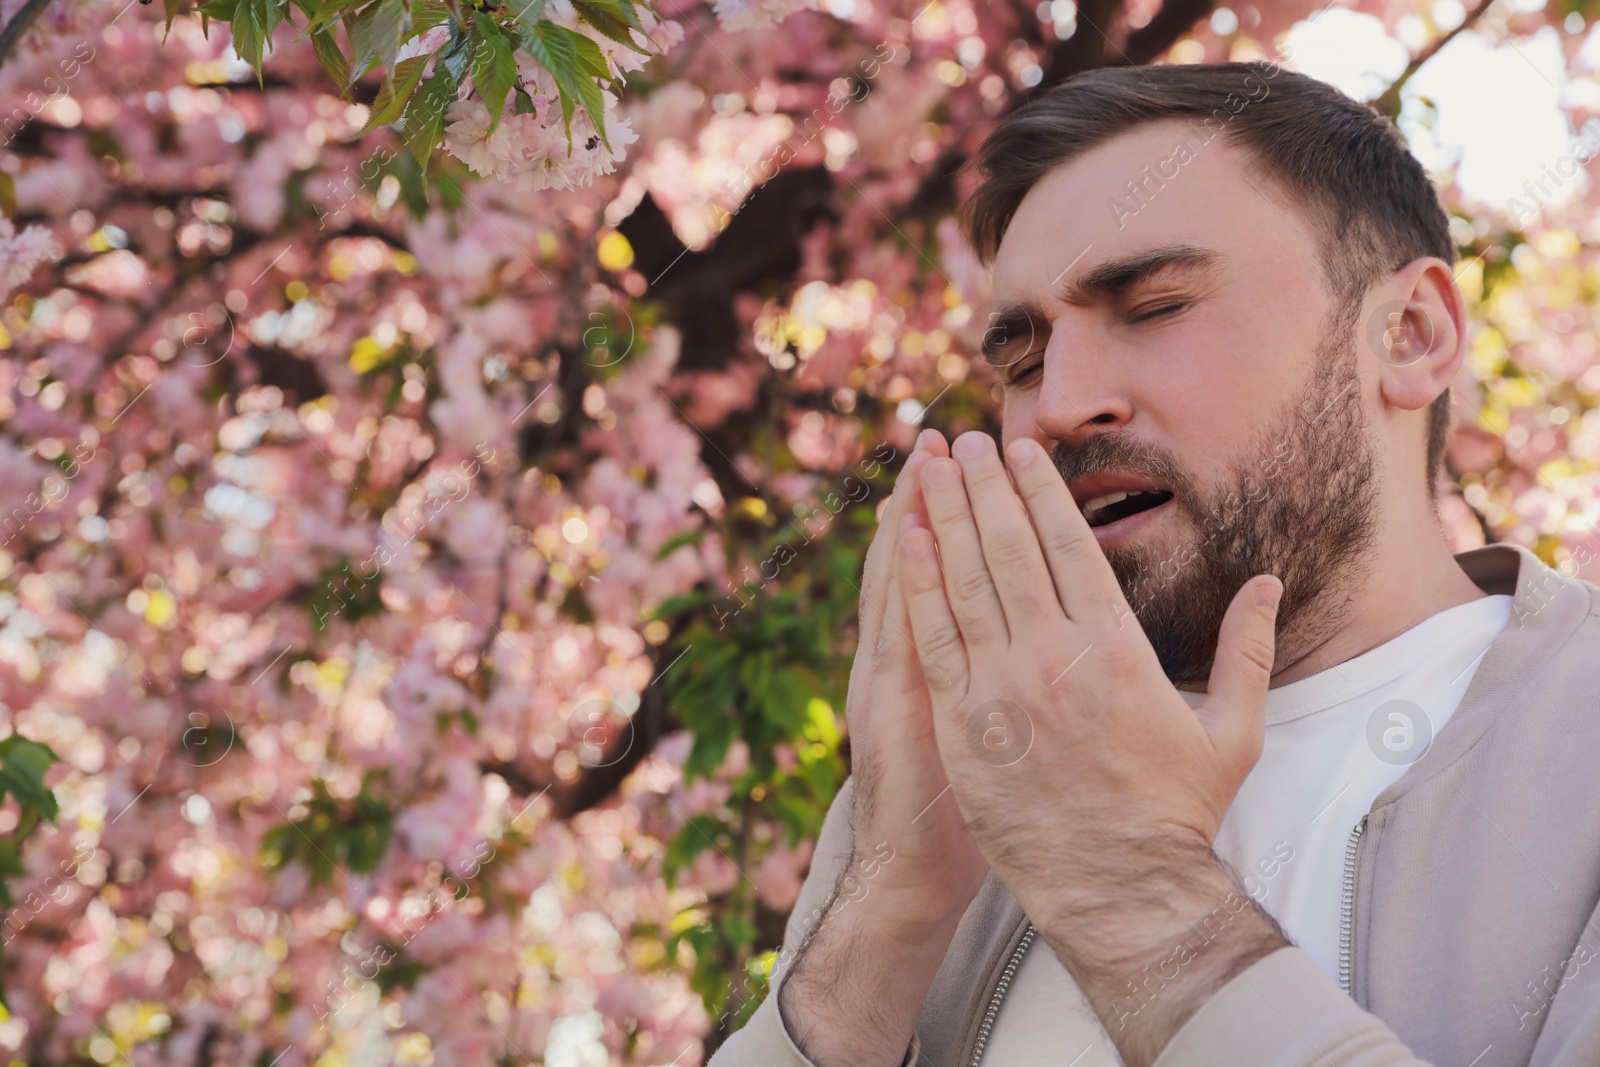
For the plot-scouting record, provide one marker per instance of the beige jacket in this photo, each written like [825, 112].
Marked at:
[1473, 884]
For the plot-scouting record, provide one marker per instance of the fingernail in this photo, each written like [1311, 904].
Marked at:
[922, 441]
[940, 473]
[1020, 452]
[972, 445]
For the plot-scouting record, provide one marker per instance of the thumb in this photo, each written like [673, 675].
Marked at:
[1237, 694]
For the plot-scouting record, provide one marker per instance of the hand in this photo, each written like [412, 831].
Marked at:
[1119, 788]
[936, 867]
[855, 989]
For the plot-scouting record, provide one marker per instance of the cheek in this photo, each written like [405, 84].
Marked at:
[1017, 413]
[1219, 389]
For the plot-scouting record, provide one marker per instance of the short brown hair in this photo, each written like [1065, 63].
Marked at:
[1341, 161]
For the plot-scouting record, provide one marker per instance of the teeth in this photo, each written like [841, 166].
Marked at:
[1099, 502]
[1091, 507]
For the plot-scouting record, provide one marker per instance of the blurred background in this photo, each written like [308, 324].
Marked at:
[426, 601]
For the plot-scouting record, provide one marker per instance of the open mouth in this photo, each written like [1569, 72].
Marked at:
[1106, 509]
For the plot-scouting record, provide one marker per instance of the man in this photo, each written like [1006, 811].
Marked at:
[1179, 735]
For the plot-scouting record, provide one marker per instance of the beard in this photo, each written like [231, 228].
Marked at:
[1301, 504]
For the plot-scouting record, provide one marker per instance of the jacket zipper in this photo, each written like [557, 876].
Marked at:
[1347, 906]
[1346, 930]
[1000, 988]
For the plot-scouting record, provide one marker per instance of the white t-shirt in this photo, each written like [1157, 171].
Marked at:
[1334, 741]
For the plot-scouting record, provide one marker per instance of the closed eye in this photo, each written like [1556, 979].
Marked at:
[1157, 311]
[1024, 374]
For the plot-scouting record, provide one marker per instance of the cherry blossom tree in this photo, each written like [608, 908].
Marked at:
[440, 443]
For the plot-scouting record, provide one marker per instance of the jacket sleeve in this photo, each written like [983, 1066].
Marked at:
[1284, 1011]
[765, 1040]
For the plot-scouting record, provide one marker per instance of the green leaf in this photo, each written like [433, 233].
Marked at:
[10, 867]
[676, 605]
[698, 834]
[174, 8]
[591, 59]
[631, 13]
[494, 68]
[786, 701]
[571, 59]
[393, 96]
[610, 18]
[424, 117]
[523, 105]
[250, 32]
[23, 764]
[326, 45]
[456, 56]
[528, 13]
[274, 12]
[425, 16]
[327, 15]
[677, 541]
[711, 743]
[375, 36]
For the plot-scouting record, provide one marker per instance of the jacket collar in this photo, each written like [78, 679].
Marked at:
[1546, 609]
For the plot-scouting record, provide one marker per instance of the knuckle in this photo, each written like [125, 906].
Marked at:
[1056, 662]
[974, 586]
[1122, 652]
[1011, 551]
[1068, 545]
[940, 645]
[1257, 649]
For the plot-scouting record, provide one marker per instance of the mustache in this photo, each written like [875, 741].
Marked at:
[1119, 450]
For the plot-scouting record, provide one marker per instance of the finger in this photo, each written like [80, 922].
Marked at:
[934, 633]
[897, 652]
[1010, 543]
[971, 593]
[1084, 581]
[881, 553]
[1236, 698]
[933, 443]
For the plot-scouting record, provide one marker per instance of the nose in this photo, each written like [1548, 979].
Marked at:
[1079, 396]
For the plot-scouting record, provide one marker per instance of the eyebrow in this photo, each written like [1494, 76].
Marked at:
[1123, 272]
[1105, 279]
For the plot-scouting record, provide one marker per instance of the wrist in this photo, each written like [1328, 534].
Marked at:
[1150, 945]
[855, 989]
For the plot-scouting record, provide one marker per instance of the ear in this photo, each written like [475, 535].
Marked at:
[1416, 328]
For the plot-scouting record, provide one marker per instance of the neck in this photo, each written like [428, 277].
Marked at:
[1410, 576]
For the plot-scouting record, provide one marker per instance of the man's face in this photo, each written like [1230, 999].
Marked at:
[1172, 339]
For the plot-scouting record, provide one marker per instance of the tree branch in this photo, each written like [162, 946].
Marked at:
[1160, 33]
[19, 25]
[1389, 102]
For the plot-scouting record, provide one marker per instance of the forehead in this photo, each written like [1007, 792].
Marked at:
[1166, 183]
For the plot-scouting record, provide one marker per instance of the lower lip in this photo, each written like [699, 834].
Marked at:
[1115, 533]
